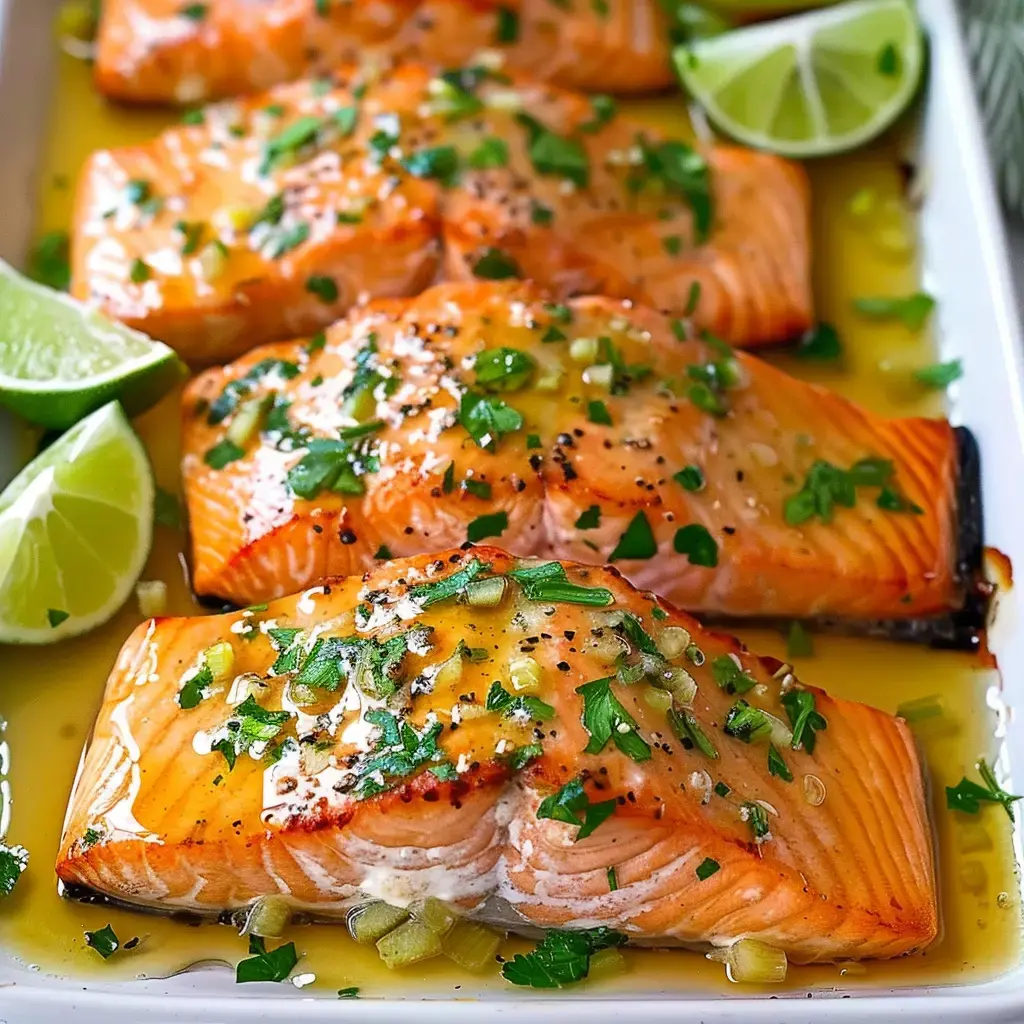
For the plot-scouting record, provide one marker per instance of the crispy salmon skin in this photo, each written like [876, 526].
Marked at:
[592, 430]
[164, 51]
[275, 214]
[420, 731]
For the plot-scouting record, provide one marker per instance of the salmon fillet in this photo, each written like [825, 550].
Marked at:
[594, 430]
[273, 216]
[152, 51]
[395, 736]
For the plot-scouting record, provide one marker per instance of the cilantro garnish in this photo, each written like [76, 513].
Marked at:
[568, 803]
[606, 719]
[13, 861]
[968, 796]
[487, 419]
[637, 541]
[560, 958]
[522, 705]
[729, 676]
[273, 965]
[804, 719]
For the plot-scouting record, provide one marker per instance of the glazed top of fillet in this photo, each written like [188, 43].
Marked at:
[154, 51]
[268, 217]
[593, 430]
[280, 746]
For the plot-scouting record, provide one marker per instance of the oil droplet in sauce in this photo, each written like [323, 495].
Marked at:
[50, 695]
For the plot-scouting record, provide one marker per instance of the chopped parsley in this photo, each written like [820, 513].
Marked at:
[689, 732]
[757, 818]
[335, 465]
[805, 720]
[266, 965]
[589, 519]
[323, 287]
[777, 765]
[503, 369]
[139, 272]
[287, 642]
[104, 941]
[492, 525]
[690, 478]
[492, 152]
[234, 391]
[597, 412]
[889, 62]
[400, 752]
[560, 958]
[968, 796]
[522, 705]
[291, 140]
[249, 724]
[697, 544]
[478, 488]
[613, 880]
[55, 616]
[939, 375]
[507, 26]
[827, 486]
[747, 723]
[679, 168]
[49, 262]
[194, 12]
[487, 419]
[572, 805]
[637, 541]
[555, 155]
[910, 310]
[195, 687]
[438, 162]
[222, 454]
[493, 264]
[606, 719]
[799, 643]
[604, 111]
[820, 343]
[13, 861]
[730, 676]
[706, 868]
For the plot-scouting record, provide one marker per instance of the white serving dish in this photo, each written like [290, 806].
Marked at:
[965, 264]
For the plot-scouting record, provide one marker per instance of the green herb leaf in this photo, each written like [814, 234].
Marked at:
[249, 724]
[507, 28]
[549, 582]
[939, 375]
[730, 677]
[691, 478]
[613, 880]
[478, 488]
[680, 168]
[597, 412]
[637, 541]
[568, 803]
[272, 965]
[487, 419]
[889, 61]
[968, 796]
[323, 287]
[440, 162]
[911, 310]
[491, 525]
[13, 862]
[400, 752]
[697, 544]
[606, 719]
[287, 642]
[291, 140]
[688, 731]
[492, 152]
[223, 454]
[503, 369]
[104, 941]
[495, 265]
[799, 643]
[55, 616]
[349, 993]
[556, 155]
[195, 687]
[383, 553]
[49, 262]
[805, 720]
[561, 958]
[892, 501]
[821, 342]
[757, 818]
[590, 519]
[706, 868]
[777, 764]
[604, 108]
[523, 706]
[335, 465]
[242, 387]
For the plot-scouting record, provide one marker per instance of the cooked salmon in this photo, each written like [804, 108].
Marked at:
[477, 728]
[595, 430]
[164, 51]
[275, 214]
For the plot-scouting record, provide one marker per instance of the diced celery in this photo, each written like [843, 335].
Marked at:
[471, 945]
[583, 350]
[408, 944]
[486, 593]
[660, 700]
[752, 962]
[152, 596]
[436, 915]
[606, 963]
[602, 376]
[672, 641]
[372, 921]
[526, 674]
[268, 917]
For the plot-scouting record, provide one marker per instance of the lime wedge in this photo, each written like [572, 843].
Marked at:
[812, 84]
[75, 530]
[60, 359]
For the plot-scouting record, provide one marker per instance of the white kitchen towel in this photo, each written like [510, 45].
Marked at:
[994, 30]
